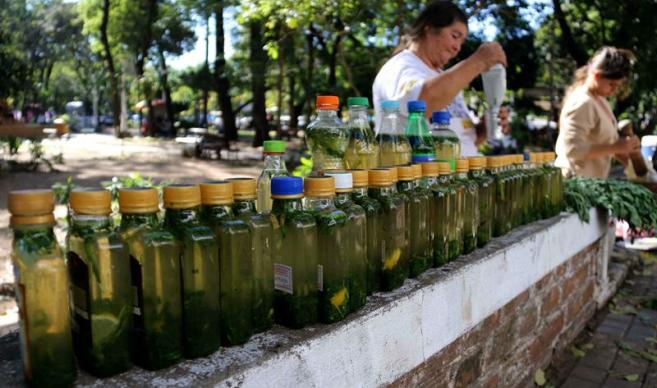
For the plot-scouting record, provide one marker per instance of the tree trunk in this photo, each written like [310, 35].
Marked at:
[166, 88]
[309, 74]
[575, 50]
[333, 63]
[281, 79]
[206, 70]
[114, 84]
[257, 65]
[221, 77]
[142, 56]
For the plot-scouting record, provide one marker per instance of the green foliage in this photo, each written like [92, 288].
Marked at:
[134, 179]
[625, 200]
[63, 190]
[305, 167]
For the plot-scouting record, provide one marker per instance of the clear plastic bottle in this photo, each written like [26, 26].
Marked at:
[155, 273]
[417, 132]
[41, 291]
[327, 136]
[485, 199]
[263, 234]
[274, 151]
[199, 269]
[394, 148]
[99, 269]
[446, 141]
[332, 248]
[295, 260]
[416, 221]
[357, 245]
[363, 150]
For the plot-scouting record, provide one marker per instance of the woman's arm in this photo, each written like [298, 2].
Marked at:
[440, 90]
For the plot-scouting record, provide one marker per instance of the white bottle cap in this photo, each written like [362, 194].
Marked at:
[343, 180]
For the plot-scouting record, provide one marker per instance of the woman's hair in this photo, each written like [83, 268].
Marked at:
[610, 62]
[437, 14]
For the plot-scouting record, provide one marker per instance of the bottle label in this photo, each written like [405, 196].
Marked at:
[320, 278]
[283, 278]
[79, 275]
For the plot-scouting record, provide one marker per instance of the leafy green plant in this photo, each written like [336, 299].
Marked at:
[63, 190]
[625, 200]
[305, 168]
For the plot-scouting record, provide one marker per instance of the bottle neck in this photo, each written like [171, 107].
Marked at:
[343, 199]
[382, 192]
[358, 115]
[417, 124]
[327, 114]
[275, 162]
[444, 179]
[174, 218]
[359, 192]
[216, 213]
[86, 223]
[405, 186]
[390, 123]
[244, 206]
[130, 220]
[282, 206]
[478, 173]
[319, 203]
[29, 231]
[428, 181]
[462, 175]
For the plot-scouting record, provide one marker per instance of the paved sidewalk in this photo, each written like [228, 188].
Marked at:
[619, 349]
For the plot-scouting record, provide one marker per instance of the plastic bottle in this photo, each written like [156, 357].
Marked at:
[485, 199]
[417, 132]
[235, 261]
[446, 141]
[155, 274]
[99, 269]
[295, 260]
[274, 151]
[394, 148]
[41, 286]
[357, 238]
[363, 150]
[263, 233]
[327, 136]
[199, 269]
[417, 208]
[332, 248]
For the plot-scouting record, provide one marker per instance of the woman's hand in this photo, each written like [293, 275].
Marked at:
[489, 54]
[627, 145]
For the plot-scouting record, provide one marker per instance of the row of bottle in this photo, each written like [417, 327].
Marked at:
[335, 145]
[216, 271]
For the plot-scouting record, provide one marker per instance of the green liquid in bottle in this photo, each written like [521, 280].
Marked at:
[374, 259]
[417, 209]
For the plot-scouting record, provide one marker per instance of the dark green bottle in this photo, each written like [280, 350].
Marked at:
[235, 261]
[295, 260]
[41, 287]
[356, 237]
[99, 270]
[374, 218]
[263, 234]
[393, 271]
[199, 267]
[333, 248]
[155, 273]
[417, 209]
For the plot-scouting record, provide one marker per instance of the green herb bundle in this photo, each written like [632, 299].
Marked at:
[625, 200]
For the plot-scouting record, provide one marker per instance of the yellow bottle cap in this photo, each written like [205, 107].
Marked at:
[31, 207]
[380, 177]
[444, 168]
[477, 162]
[91, 201]
[552, 156]
[31, 202]
[243, 188]
[360, 177]
[492, 162]
[417, 171]
[216, 192]
[394, 174]
[182, 196]
[138, 200]
[431, 168]
[321, 186]
[462, 165]
[405, 173]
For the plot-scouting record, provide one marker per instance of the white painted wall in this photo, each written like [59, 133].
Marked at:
[383, 344]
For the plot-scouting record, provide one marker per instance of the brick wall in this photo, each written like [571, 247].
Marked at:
[508, 346]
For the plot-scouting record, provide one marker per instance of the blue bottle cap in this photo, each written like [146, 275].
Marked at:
[415, 159]
[417, 106]
[390, 104]
[287, 186]
[440, 117]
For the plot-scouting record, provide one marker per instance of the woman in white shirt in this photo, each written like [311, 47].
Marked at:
[416, 71]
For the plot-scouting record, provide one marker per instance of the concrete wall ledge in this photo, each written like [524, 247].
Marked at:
[393, 334]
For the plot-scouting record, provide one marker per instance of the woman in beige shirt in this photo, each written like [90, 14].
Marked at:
[588, 134]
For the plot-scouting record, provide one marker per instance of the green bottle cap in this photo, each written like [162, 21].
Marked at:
[274, 146]
[361, 101]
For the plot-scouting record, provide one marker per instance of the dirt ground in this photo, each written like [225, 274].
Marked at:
[92, 158]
